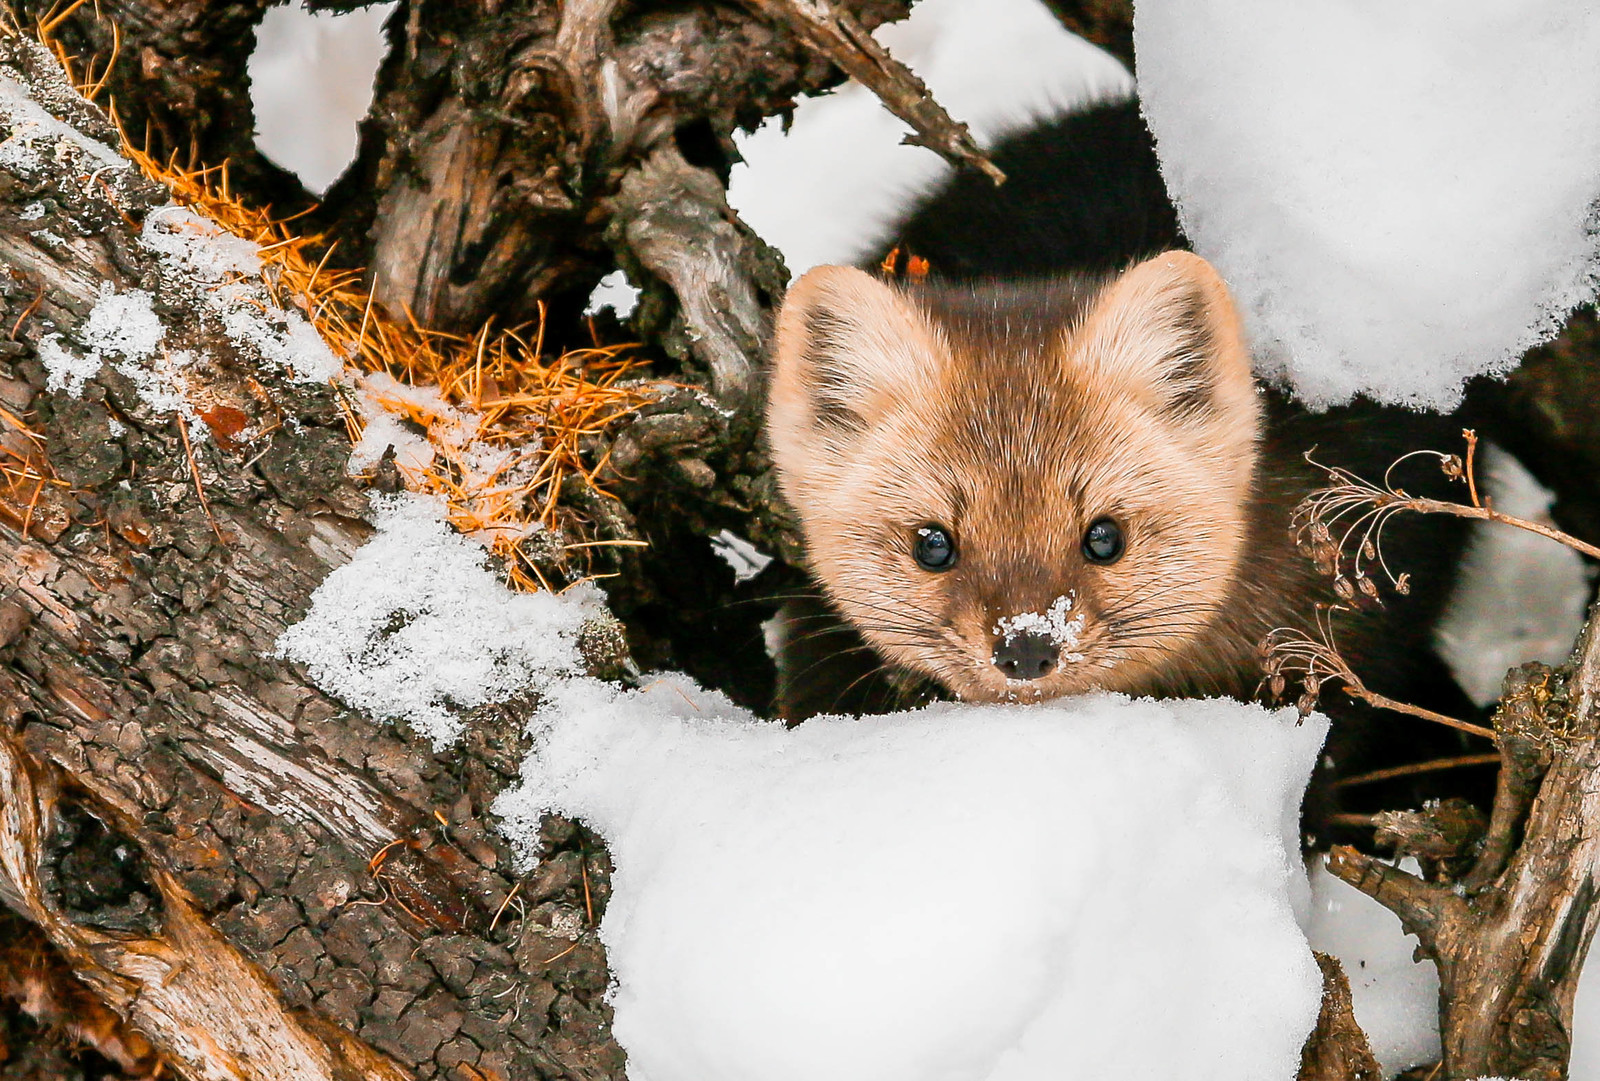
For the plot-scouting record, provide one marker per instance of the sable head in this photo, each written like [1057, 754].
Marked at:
[1022, 492]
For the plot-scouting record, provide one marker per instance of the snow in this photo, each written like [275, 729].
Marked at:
[415, 627]
[220, 268]
[311, 83]
[1399, 195]
[124, 329]
[1052, 623]
[825, 190]
[1521, 597]
[745, 558]
[64, 369]
[1396, 997]
[123, 324]
[32, 132]
[958, 893]
[194, 245]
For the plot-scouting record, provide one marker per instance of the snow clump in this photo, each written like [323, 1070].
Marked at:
[221, 267]
[416, 627]
[1052, 623]
[30, 130]
[1400, 196]
[1092, 888]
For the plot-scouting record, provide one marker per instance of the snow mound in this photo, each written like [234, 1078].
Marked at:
[1396, 997]
[1093, 888]
[1400, 196]
[415, 627]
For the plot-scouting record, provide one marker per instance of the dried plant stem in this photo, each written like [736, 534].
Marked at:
[1382, 701]
[1411, 769]
[1487, 513]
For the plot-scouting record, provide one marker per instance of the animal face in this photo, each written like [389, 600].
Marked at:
[1021, 492]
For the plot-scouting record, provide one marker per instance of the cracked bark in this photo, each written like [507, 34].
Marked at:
[1507, 912]
[191, 825]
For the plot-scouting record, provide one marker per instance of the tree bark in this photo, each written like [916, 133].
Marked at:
[1508, 916]
[264, 884]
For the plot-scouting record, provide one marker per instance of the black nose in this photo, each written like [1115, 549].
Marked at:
[1025, 655]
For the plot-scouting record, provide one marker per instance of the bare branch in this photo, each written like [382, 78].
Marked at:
[836, 34]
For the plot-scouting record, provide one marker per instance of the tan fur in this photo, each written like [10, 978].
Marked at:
[1017, 418]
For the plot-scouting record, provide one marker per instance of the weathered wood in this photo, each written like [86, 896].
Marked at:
[1509, 936]
[137, 677]
[1337, 1049]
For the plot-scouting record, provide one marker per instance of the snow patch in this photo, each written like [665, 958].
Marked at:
[222, 266]
[1052, 623]
[64, 369]
[311, 80]
[415, 627]
[1396, 997]
[197, 246]
[1399, 196]
[1520, 597]
[788, 904]
[745, 558]
[124, 330]
[33, 131]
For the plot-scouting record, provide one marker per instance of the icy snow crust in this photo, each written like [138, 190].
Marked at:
[416, 627]
[1400, 196]
[790, 904]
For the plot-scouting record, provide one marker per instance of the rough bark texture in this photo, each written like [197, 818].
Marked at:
[1508, 916]
[178, 808]
[1337, 1049]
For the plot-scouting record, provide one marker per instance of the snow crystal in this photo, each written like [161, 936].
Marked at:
[1521, 597]
[64, 369]
[196, 245]
[30, 125]
[123, 328]
[1052, 623]
[1396, 997]
[415, 626]
[1091, 888]
[1399, 195]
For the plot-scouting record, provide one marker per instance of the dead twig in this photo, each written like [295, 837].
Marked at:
[836, 34]
[1313, 661]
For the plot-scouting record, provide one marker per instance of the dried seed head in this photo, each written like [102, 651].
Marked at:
[1277, 685]
[1453, 466]
[1368, 586]
[1369, 549]
[1342, 586]
[1306, 703]
[1402, 584]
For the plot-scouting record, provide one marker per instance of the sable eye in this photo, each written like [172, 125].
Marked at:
[935, 549]
[1103, 542]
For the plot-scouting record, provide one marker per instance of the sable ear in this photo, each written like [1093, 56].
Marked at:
[848, 349]
[1168, 327]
